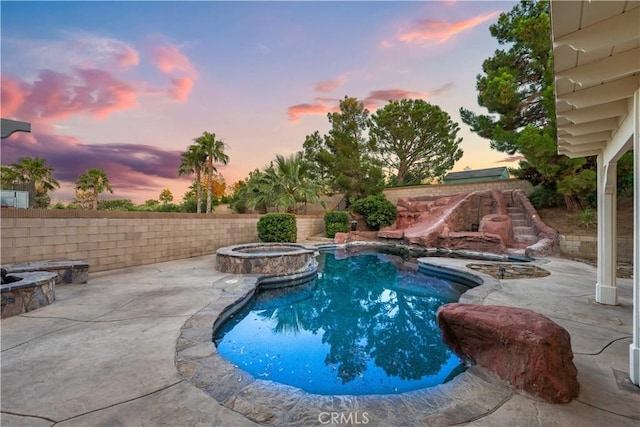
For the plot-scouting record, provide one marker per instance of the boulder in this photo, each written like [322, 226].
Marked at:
[524, 348]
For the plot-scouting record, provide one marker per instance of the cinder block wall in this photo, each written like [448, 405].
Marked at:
[108, 240]
[586, 247]
[393, 194]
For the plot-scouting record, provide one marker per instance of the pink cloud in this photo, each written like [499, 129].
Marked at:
[386, 44]
[174, 63]
[12, 95]
[378, 97]
[296, 111]
[169, 59]
[55, 95]
[372, 102]
[128, 57]
[440, 31]
[331, 85]
[181, 88]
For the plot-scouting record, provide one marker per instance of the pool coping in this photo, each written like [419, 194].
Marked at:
[470, 395]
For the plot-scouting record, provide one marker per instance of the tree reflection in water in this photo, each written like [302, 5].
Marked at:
[367, 314]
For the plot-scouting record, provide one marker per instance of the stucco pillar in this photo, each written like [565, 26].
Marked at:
[606, 291]
[634, 348]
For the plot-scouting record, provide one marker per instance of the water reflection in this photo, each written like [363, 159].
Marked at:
[367, 323]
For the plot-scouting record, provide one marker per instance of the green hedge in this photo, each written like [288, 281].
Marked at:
[277, 227]
[336, 222]
[376, 210]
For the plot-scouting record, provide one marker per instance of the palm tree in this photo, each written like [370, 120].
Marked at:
[94, 181]
[285, 183]
[214, 150]
[166, 196]
[35, 171]
[192, 162]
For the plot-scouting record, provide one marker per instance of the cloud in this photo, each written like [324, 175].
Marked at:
[12, 95]
[511, 159]
[180, 88]
[174, 63]
[128, 57]
[169, 60]
[386, 44]
[377, 98]
[73, 49]
[426, 31]
[95, 51]
[130, 167]
[442, 89]
[54, 95]
[331, 85]
[372, 102]
[296, 111]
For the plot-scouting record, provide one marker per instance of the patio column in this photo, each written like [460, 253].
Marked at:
[634, 348]
[606, 291]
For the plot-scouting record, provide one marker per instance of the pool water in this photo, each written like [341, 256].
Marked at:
[365, 325]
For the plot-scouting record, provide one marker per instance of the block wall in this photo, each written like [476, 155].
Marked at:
[586, 247]
[110, 240]
[393, 194]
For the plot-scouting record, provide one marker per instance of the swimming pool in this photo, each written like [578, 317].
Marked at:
[366, 325]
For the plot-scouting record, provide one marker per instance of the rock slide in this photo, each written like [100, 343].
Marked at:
[485, 221]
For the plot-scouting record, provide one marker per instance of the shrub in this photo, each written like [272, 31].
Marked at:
[543, 197]
[376, 210]
[116, 205]
[336, 222]
[587, 218]
[277, 227]
[169, 207]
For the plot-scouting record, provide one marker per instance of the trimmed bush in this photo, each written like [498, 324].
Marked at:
[376, 210]
[277, 227]
[336, 222]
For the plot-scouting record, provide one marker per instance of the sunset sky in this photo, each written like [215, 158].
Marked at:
[127, 86]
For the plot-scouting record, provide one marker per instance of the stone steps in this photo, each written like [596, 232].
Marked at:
[526, 238]
[523, 234]
[526, 230]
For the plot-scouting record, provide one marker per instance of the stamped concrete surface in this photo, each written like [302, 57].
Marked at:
[107, 353]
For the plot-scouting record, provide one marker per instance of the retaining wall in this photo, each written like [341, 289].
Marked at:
[109, 240]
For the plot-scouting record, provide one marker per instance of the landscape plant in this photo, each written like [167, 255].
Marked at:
[415, 140]
[33, 171]
[346, 156]
[277, 227]
[516, 87]
[377, 211]
[91, 184]
[336, 222]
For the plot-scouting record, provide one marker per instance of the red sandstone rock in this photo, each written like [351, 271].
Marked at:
[498, 224]
[478, 242]
[340, 238]
[524, 348]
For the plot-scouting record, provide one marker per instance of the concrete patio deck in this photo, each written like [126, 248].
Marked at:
[105, 354]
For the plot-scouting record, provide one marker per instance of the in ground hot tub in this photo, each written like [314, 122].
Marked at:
[270, 259]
